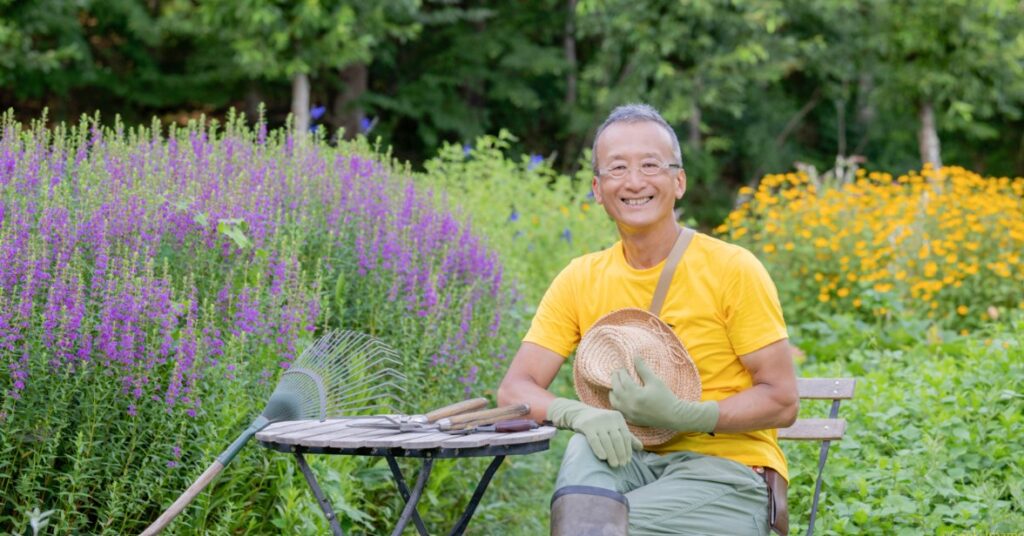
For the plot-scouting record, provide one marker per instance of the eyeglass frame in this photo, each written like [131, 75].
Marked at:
[662, 166]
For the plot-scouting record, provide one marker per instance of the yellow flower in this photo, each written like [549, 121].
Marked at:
[843, 292]
[883, 287]
[768, 248]
[823, 298]
[856, 302]
[962, 310]
[789, 246]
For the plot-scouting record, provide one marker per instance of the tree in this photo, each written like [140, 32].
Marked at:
[957, 63]
[296, 41]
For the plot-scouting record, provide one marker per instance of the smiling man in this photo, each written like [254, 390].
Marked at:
[709, 475]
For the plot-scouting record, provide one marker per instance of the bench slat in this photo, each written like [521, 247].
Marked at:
[826, 388]
[814, 429]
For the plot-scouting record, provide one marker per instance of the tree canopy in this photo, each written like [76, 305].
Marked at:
[750, 86]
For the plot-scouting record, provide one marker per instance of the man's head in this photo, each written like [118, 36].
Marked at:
[638, 175]
[636, 113]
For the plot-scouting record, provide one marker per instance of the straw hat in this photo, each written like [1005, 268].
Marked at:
[612, 343]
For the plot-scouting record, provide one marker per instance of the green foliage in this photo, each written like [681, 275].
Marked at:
[932, 434]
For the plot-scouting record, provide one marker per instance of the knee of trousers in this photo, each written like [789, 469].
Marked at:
[578, 450]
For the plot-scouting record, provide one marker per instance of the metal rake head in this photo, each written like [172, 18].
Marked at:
[342, 373]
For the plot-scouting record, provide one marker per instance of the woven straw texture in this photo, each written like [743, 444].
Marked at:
[613, 341]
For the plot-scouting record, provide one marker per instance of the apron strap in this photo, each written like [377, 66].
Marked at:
[682, 242]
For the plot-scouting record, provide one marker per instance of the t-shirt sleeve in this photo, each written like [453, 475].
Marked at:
[555, 326]
[753, 314]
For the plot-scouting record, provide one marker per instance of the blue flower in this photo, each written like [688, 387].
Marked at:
[317, 112]
[466, 149]
[535, 160]
[567, 235]
[514, 216]
[366, 124]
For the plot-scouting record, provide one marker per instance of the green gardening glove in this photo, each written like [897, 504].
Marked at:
[654, 404]
[605, 429]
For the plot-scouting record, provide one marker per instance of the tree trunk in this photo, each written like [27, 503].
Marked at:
[694, 137]
[569, 45]
[927, 136]
[865, 111]
[253, 99]
[346, 110]
[300, 102]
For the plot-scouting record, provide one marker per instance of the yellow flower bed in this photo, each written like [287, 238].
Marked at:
[946, 244]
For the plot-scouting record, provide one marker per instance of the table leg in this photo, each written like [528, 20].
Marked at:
[410, 505]
[325, 505]
[478, 494]
[403, 489]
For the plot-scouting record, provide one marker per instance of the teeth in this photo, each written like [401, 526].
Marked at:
[637, 202]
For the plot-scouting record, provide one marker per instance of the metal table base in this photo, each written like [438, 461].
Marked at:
[411, 498]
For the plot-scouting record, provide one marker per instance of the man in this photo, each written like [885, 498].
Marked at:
[708, 479]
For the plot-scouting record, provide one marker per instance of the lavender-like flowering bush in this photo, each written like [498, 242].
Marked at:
[152, 283]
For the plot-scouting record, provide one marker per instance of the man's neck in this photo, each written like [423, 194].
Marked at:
[645, 249]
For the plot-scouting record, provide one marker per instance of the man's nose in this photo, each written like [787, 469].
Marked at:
[634, 177]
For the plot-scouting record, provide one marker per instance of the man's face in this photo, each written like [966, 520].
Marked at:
[637, 202]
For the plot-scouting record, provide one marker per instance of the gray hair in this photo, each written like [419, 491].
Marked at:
[636, 113]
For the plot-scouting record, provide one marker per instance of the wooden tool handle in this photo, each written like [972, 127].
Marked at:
[472, 404]
[487, 416]
[211, 472]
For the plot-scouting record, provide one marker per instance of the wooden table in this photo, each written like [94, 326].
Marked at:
[338, 436]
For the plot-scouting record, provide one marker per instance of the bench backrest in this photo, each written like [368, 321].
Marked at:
[832, 428]
[824, 430]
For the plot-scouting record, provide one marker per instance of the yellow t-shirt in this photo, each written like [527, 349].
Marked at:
[722, 304]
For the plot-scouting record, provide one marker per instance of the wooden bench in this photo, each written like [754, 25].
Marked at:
[824, 430]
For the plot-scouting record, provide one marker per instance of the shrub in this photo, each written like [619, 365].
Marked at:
[152, 283]
[943, 244]
[537, 219]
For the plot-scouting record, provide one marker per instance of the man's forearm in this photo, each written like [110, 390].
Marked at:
[517, 392]
[758, 408]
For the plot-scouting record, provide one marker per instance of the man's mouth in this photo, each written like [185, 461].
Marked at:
[637, 201]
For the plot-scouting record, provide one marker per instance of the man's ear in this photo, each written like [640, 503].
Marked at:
[681, 184]
[595, 187]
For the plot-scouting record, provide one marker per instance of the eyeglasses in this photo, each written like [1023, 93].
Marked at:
[649, 167]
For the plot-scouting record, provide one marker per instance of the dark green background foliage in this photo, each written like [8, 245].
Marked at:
[751, 86]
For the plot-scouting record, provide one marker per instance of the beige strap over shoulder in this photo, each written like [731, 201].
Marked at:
[683, 240]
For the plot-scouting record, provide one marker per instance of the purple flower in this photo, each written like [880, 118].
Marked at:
[316, 112]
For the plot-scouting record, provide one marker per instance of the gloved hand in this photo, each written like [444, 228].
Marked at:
[654, 404]
[605, 429]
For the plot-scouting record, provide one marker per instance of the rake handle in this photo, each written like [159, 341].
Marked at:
[204, 479]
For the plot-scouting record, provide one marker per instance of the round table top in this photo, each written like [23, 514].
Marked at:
[339, 436]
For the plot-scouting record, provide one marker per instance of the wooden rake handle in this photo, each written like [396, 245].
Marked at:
[161, 522]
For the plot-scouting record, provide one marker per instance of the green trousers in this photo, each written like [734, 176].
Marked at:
[677, 493]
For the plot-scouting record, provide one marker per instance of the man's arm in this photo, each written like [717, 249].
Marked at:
[528, 377]
[773, 400]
